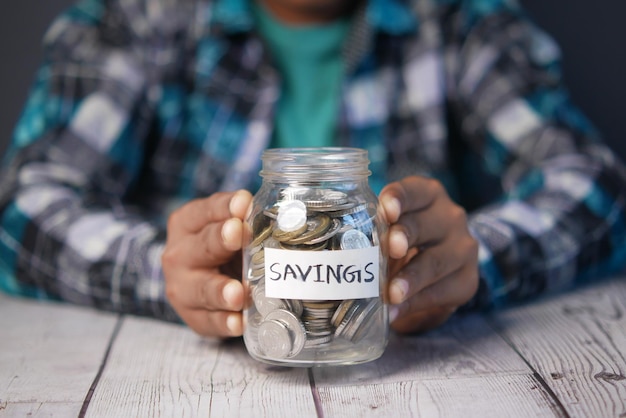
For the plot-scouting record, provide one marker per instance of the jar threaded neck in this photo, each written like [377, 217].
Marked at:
[323, 163]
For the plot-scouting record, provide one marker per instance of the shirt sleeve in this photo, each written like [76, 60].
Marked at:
[66, 229]
[560, 219]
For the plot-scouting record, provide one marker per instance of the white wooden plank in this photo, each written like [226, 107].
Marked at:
[577, 343]
[465, 347]
[157, 369]
[38, 409]
[49, 354]
[484, 396]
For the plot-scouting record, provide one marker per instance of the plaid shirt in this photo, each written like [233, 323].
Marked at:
[140, 105]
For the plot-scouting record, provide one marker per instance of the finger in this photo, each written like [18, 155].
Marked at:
[220, 241]
[195, 215]
[422, 321]
[214, 246]
[429, 266]
[208, 290]
[215, 324]
[408, 195]
[426, 227]
[450, 292]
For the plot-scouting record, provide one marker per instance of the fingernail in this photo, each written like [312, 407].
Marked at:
[233, 323]
[392, 207]
[398, 290]
[229, 230]
[238, 203]
[230, 294]
[393, 313]
[398, 243]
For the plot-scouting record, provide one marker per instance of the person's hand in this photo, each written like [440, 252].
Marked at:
[200, 260]
[433, 267]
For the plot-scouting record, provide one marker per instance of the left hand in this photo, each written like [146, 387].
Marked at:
[433, 265]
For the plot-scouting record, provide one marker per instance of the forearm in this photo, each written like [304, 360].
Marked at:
[67, 230]
[561, 215]
[55, 244]
[563, 225]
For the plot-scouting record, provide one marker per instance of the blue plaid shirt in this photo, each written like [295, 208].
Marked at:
[141, 105]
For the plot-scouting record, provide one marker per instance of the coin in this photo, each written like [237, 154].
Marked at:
[274, 339]
[295, 306]
[331, 232]
[354, 239]
[349, 204]
[282, 236]
[265, 305]
[324, 198]
[341, 311]
[315, 247]
[295, 327]
[356, 320]
[291, 216]
[262, 236]
[272, 212]
[316, 227]
[257, 259]
[256, 274]
[339, 212]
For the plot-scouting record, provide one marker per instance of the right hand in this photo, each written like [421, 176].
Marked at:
[202, 263]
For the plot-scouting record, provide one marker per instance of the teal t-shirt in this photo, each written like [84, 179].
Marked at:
[309, 61]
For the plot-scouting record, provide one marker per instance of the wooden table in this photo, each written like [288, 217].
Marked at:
[559, 356]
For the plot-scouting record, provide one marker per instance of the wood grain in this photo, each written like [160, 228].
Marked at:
[461, 369]
[577, 343]
[485, 396]
[49, 355]
[158, 369]
[465, 347]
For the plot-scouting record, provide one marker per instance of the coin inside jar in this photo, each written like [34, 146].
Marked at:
[291, 216]
[354, 239]
[265, 305]
[316, 227]
[296, 331]
[274, 339]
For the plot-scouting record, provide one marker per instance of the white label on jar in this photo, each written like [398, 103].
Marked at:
[322, 275]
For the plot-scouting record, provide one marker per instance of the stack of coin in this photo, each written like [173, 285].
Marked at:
[308, 219]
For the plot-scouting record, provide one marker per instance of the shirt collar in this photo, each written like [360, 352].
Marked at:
[391, 16]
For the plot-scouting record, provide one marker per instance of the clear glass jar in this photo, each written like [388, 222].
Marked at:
[314, 267]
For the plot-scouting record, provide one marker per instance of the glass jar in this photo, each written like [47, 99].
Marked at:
[314, 267]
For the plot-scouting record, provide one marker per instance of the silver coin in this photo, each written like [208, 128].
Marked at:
[265, 305]
[340, 330]
[295, 327]
[355, 208]
[295, 306]
[272, 212]
[354, 239]
[331, 232]
[291, 216]
[341, 311]
[364, 322]
[271, 243]
[324, 198]
[334, 208]
[275, 339]
[357, 318]
[316, 342]
[294, 192]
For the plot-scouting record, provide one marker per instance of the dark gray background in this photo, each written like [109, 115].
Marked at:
[591, 36]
